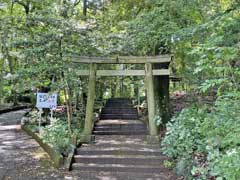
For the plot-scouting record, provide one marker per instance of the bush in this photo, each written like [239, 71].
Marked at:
[222, 130]
[184, 138]
[206, 143]
[57, 134]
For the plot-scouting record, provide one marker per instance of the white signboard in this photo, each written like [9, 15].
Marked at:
[45, 100]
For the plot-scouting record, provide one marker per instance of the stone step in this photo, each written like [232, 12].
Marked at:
[119, 128]
[107, 175]
[123, 132]
[120, 116]
[119, 100]
[117, 168]
[120, 105]
[117, 151]
[121, 146]
[125, 160]
[117, 111]
[118, 122]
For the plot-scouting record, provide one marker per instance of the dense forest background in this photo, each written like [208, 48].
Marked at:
[38, 39]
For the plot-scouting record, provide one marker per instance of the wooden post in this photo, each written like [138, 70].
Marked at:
[153, 138]
[90, 103]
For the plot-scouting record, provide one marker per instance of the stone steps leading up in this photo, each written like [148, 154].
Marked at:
[116, 127]
[113, 159]
[117, 168]
[107, 175]
[117, 151]
[118, 122]
[118, 109]
[120, 132]
[118, 116]
[123, 127]
[120, 150]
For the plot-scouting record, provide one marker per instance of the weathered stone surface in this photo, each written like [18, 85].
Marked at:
[123, 157]
[153, 139]
[119, 108]
[86, 139]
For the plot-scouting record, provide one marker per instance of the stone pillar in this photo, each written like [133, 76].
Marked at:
[153, 131]
[87, 134]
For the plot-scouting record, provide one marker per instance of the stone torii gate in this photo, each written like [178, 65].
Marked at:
[148, 72]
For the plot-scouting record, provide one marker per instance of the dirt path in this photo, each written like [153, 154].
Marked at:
[21, 158]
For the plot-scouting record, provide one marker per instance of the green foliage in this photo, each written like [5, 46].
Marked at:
[168, 164]
[183, 136]
[157, 120]
[57, 135]
[212, 49]
[222, 137]
[213, 134]
[34, 117]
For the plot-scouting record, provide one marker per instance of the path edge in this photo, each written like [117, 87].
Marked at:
[54, 155]
[14, 108]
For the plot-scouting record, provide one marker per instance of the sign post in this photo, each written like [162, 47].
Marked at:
[46, 100]
[40, 119]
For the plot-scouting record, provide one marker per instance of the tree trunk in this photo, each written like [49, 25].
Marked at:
[1, 86]
[67, 95]
[5, 51]
[85, 8]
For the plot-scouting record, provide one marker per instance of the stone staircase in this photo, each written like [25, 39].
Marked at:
[119, 108]
[120, 150]
[120, 157]
[120, 127]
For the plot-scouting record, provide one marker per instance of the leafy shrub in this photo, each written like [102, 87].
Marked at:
[157, 120]
[33, 117]
[213, 136]
[222, 130]
[183, 135]
[57, 134]
[184, 138]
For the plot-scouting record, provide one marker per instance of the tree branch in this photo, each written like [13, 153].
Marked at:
[76, 2]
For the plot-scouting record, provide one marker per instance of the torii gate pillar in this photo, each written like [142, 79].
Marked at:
[153, 137]
[87, 133]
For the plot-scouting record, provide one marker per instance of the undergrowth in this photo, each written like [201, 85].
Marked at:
[205, 141]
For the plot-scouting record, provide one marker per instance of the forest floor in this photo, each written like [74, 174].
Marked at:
[181, 99]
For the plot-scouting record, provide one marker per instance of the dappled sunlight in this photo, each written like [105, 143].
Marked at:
[39, 154]
[10, 127]
[106, 176]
